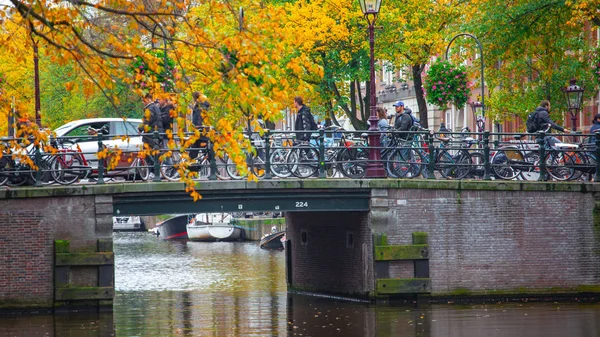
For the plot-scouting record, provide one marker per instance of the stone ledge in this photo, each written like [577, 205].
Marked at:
[320, 184]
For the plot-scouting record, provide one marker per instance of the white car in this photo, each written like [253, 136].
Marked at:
[114, 129]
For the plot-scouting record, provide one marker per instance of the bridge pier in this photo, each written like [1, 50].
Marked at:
[330, 252]
[28, 263]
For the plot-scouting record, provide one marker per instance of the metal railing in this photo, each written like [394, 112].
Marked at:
[324, 154]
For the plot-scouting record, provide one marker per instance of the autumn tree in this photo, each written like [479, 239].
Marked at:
[416, 31]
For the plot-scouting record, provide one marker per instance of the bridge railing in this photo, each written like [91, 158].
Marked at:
[328, 153]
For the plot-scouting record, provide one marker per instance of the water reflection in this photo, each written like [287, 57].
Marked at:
[236, 289]
[65, 325]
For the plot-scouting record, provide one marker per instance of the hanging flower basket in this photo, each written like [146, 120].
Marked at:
[446, 83]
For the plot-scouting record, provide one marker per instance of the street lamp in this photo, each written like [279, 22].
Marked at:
[574, 97]
[370, 9]
[481, 106]
[477, 108]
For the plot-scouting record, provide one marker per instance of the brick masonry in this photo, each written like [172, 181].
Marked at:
[325, 263]
[28, 228]
[497, 240]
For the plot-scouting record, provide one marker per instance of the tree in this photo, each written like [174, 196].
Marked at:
[532, 51]
[332, 35]
[416, 31]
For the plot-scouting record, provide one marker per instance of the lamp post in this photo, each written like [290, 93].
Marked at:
[477, 108]
[574, 97]
[370, 9]
[480, 105]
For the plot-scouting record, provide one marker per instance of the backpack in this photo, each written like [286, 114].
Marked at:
[415, 121]
[532, 122]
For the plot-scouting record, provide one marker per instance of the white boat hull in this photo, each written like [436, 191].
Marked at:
[213, 232]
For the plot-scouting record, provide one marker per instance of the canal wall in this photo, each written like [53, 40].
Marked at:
[28, 231]
[491, 241]
[256, 228]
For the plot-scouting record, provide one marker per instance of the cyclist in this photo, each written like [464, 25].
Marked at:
[544, 121]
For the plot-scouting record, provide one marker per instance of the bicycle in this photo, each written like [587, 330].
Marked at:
[170, 167]
[522, 160]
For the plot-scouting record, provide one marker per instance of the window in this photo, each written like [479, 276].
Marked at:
[125, 128]
[85, 130]
[303, 237]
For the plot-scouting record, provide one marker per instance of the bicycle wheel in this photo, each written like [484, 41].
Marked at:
[258, 165]
[590, 167]
[404, 163]
[579, 165]
[169, 167]
[531, 170]
[279, 166]
[330, 168]
[142, 171]
[67, 168]
[477, 169]
[46, 172]
[560, 165]
[503, 165]
[233, 171]
[353, 162]
[303, 161]
[221, 171]
[4, 171]
[456, 167]
[463, 164]
[203, 168]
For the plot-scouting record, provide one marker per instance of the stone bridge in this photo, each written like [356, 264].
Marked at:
[376, 239]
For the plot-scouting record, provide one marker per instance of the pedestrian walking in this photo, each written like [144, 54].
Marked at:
[305, 121]
[151, 121]
[200, 106]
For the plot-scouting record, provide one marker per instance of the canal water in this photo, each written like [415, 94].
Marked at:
[236, 289]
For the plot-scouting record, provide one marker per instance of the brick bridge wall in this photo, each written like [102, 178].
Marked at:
[327, 262]
[28, 228]
[495, 241]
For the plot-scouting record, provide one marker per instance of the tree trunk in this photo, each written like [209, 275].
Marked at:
[332, 114]
[417, 71]
[356, 123]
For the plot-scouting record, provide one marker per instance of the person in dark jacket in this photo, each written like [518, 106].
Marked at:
[151, 120]
[404, 120]
[544, 121]
[199, 107]
[595, 128]
[166, 106]
[595, 124]
[303, 120]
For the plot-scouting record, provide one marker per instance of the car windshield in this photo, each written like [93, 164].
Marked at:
[62, 129]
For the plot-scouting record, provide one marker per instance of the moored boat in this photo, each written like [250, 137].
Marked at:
[173, 228]
[272, 241]
[127, 223]
[209, 228]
